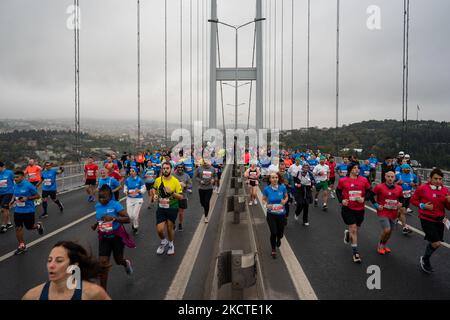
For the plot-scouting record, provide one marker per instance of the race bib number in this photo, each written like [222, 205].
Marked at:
[3, 183]
[305, 181]
[188, 169]
[207, 175]
[277, 208]
[407, 193]
[132, 193]
[253, 175]
[20, 203]
[366, 173]
[105, 226]
[391, 204]
[47, 182]
[373, 165]
[164, 203]
[354, 195]
[90, 173]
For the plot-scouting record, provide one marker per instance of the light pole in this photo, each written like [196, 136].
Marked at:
[236, 29]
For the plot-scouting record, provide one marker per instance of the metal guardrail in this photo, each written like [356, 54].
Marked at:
[73, 177]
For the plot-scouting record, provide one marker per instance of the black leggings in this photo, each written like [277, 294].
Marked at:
[205, 198]
[276, 225]
[302, 207]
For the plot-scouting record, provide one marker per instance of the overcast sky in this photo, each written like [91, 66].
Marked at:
[37, 59]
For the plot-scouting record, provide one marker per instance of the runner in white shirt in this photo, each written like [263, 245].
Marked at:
[295, 168]
[321, 173]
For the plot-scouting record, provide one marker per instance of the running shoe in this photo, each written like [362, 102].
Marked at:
[61, 207]
[332, 195]
[274, 254]
[255, 202]
[40, 228]
[295, 217]
[135, 230]
[21, 249]
[346, 237]
[3, 229]
[356, 258]
[316, 202]
[325, 207]
[162, 246]
[279, 243]
[128, 268]
[180, 227]
[388, 250]
[381, 250]
[306, 224]
[425, 265]
[206, 220]
[171, 250]
[9, 225]
[250, 203]
[409, 210]
[406, 230]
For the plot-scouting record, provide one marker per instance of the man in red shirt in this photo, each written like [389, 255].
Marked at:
[332, 177]
[351, 192]
[432, 199]
[389, 202]
[90, 175]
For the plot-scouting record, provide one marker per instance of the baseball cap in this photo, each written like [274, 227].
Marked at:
[405, 166]
[407, 156]
[401, 153]
[323, 158]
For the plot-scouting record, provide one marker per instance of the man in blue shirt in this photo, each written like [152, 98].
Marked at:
[49, 188]
[342, 168]
[6, 195]
[373, 163]
[24, 195]
[407, 180]
[134, 188]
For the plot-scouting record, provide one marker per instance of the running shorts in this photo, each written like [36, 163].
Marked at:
[162, 215]
[322, 185]
[387, 223]
[352, 216]
[434, 231]
[182, 204]
[5, 199]
[113, 245]
[90, 182]
[51, 194]
[24, 219]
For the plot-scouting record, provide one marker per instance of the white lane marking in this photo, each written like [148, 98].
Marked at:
[444, 244]
[180, 281]
[298, 276]
[51, 234]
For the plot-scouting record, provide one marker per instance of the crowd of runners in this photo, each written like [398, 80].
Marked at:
[297, 180]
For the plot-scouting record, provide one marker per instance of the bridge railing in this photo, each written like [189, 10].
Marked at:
[73, 177]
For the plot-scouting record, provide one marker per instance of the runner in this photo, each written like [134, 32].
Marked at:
[109, 161]
[205, 175]
[295, 168]
[64, 255]
[343, 167]
[388, 165]
[49, 188]
[33, 173]
[331, 163]
[364, 170]
[373, 163]
[432, 199]
[24, 194]
[275, 197]
[407, 180]
[110, 182]
[90, 176]
[114, 173]
[253, 174]
[218, 166]
[112, 236]
[167, 191]
[287, 181]
[134, 189]
[321, 173]
[312, 161]
[303, 182]
[140, 161]
[6, 196]
[389, 198]
[351, 192]
[186, 183]
[149, 180]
